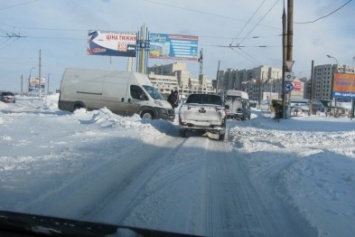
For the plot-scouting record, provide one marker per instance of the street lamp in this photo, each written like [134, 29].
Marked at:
[333, 58]
[335, 99]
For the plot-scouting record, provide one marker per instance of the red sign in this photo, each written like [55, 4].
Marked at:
[297, 85]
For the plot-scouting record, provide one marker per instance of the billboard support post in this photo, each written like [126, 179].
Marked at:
[143, 46]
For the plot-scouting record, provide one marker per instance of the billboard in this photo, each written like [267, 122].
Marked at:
[111, 43]
[270, 96]
[297, 85]
[171, 46]
[34, 85]
[344, 85]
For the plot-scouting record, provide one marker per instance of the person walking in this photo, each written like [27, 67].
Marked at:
[173, 98]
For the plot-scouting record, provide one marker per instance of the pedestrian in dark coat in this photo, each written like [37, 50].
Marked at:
[173, 99]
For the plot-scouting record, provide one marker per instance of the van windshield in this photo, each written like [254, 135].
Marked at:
[153, 92]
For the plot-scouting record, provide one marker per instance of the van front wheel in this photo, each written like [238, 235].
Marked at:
[78, 106]
[147, 114]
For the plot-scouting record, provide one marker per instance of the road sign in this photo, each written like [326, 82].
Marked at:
[288, 87]
[288, 76]
[289, 64]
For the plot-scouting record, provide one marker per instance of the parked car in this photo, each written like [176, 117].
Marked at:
[238, 102]
[7, 97]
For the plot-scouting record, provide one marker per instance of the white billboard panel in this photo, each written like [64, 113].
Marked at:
[110, 43]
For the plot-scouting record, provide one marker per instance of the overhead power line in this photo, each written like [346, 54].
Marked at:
[245, 46]
[205, 13]
[244, 54]
[322, 17]
[18, 5]
[14, 35]
[259, 21]
[246, 24]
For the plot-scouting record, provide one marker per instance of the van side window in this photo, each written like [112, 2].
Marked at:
[137, 93]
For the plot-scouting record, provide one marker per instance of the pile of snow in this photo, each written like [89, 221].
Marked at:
[310, 161]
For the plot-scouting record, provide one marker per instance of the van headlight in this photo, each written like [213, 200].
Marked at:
[159, 103]
[162, 111]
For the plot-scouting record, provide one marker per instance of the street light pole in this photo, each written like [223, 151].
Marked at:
[335, 99]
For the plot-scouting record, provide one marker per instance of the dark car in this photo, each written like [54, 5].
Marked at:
[7, 97]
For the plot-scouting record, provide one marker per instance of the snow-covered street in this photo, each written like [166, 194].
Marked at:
[295, 177]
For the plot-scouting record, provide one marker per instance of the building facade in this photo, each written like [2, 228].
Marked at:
[175, 76]
[255, 81]
[322, 86]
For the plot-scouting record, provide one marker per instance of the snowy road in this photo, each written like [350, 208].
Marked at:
[203, 181]
[293, 178]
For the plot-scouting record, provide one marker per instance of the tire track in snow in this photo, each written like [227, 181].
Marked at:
[231, 206]
[86, 195]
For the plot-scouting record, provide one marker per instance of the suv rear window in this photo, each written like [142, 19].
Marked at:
[204, 99]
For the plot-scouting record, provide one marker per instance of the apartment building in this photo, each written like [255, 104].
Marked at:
[164, 83]
[255, 81]
[323, 78]
[176, 76]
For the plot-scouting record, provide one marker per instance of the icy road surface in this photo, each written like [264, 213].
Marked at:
[98, 166]
[192, 185]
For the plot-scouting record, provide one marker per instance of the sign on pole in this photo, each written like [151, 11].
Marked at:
[288, 87]
[289, 64]
[288, 76]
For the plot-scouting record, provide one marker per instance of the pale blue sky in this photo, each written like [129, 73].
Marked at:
[59, 28]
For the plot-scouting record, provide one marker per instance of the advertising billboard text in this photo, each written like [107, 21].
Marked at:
[344, 85]
[112, 43]
[171, 46]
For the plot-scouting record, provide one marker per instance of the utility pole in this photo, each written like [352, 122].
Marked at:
[48, 84]
[289, 30]
[217, 76]
[311, 92]
[39, 74]
[200, 76]
[260, 90]
[21, 84]
[283, 92]
[287, 43]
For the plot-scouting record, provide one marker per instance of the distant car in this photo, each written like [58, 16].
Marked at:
[7, 97]
[239, 106]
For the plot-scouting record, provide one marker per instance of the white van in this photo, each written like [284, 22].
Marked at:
[238, 103]
[124, 93]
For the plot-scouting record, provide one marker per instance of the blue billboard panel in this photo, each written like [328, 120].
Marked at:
[112, 43]
[170, 46]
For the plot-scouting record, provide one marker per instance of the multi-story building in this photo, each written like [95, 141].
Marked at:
[233, 78]
[323, 78]
[178, 77]
[164, 83]
[255, 81]
[263, 90]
